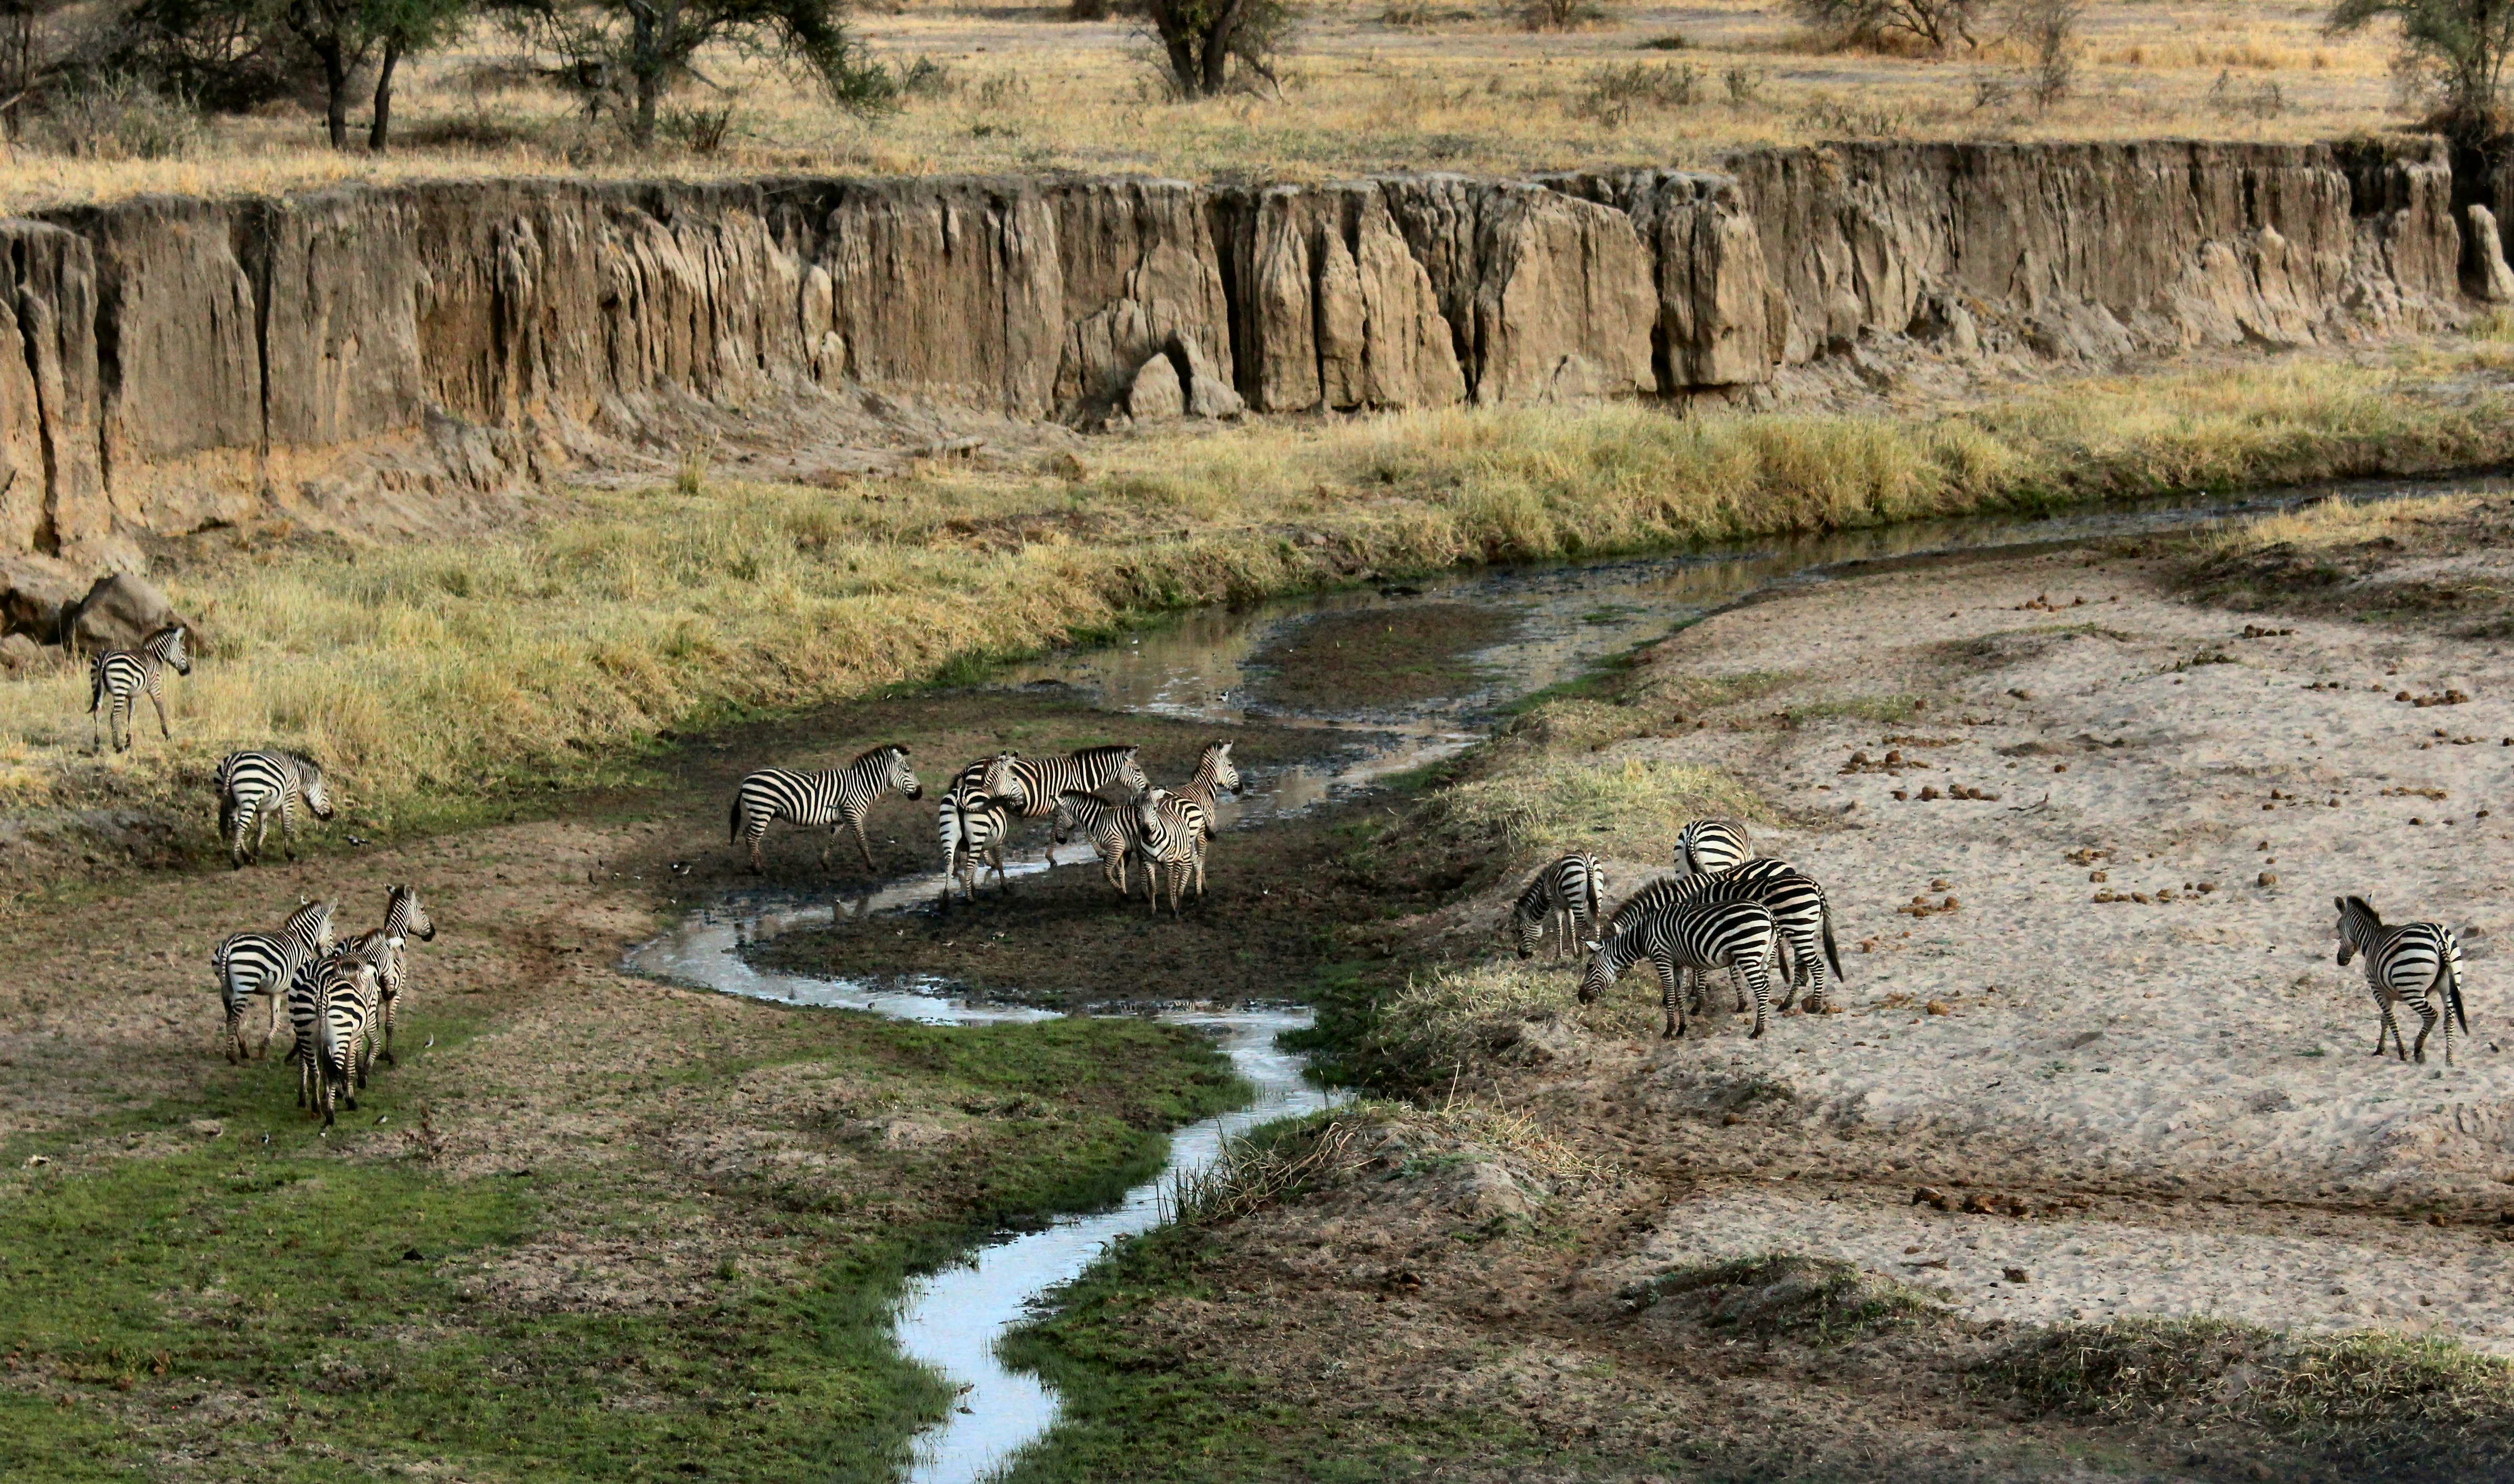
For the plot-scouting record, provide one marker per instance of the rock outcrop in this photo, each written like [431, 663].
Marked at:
[390, 359]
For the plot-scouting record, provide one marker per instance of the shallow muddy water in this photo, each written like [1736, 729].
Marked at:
[1560, 620]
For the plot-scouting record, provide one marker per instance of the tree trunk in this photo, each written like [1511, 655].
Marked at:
[336, 92]
[379, 129]
[646, 57]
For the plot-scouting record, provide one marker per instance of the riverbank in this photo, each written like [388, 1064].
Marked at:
[2096, 1109]
[467, 681]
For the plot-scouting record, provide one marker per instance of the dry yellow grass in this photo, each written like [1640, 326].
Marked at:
[444, 674]
[1470, 90]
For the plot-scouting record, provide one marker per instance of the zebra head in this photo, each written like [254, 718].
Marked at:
[2358, 924]
[1131, 773]
[1216, 764]
[1004, 783]
[902, 776]
[404, 917]
[317, 794]
[310, 925]
[1067, 819]
[1526, 931]
[1600, 974]
[168, 644]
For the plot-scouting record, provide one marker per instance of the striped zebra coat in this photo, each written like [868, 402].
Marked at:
[389, 949]
[248, 964]
[1737, 936]
[1569, 895]
[981, 822]
[1706, 847]
[1172, 843]
[253, 784]
[1186, 814]
[121, 676]
[2415, 963]
[839, 798]
[1031, 785]
[1114, 833]
[1800, 909]
[333, 1005]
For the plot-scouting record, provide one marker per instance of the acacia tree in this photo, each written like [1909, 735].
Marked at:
[1201, 39]
[404, 28]
[645, 48]
[1934, 24]
[2457, 49]
[335, 32]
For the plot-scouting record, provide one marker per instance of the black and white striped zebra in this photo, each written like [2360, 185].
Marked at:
[248, 964]
[1706, 847]
[981, 823]
[2413, 963]
[1030, 786]
[1798, 904]
[1173, 841]
[1113, 829]
[1570, 895]
[1187, 812]
[251, 784]
[333, 1005]
[389, 949]
[1737, 936]
[121, 676]
[838, 799]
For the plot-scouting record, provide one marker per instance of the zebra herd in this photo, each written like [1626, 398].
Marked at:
[1724, 910]
[343, 994]
[1099, 794]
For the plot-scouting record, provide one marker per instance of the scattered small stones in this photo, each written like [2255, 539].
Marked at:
[2019, 1274]
[1939, 1006]
[2256, 631]
[2446, 698]
[2269, 878]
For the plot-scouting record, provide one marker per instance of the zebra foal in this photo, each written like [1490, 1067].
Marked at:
[1115, 835]
[1186, 814]
[1737, 936]
[387, 949]
[2412, 963]
[123, 675]
[839, 798]
[251, 784]
[1568, 895]
[333, 1003]
[248, 964]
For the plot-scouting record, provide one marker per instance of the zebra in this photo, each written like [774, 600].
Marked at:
[405, 918]
[1186, 814]
[2410, 963]
[334, 1006]
[1031, 785]
[126, 674]
[1114, 833]
[1798, 904]
[1737, 936]
[1706, 847]
[980, 824]
[249, 783]
[839, 799]
[1570, 894]
[248, 964]
[1172, 835]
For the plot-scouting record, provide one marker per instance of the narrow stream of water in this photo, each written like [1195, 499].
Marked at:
[1566, 619]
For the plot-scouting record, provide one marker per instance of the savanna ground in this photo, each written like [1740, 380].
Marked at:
[1367, 86]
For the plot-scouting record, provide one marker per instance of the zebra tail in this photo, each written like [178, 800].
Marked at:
[1831, 954]
[733, 822]
[2452, 987]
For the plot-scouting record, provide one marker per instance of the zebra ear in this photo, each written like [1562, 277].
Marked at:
[1591, 945]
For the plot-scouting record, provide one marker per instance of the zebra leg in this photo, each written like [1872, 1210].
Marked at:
[1671, 999]
[235, 1027]
[1758, 973]
[754, 831]
[2383, 1000]
[864, 847]
[271, 1032]
[390, 1002]
[262, 832]
[1739, 986]
[159, 702]
[2426, 1025]
[288, 838]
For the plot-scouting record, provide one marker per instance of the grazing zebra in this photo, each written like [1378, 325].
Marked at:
[1570, 894]
[980, 824]
[839, 799]
[1186, 814]
[333, 1007]
[248, 964]
[126, 674]
[1706, 847]
[250, 784]
[1030, 786]
[1796, 902]
[386, 947]
[1114, 834]
[1737, 936]
[2419, 963]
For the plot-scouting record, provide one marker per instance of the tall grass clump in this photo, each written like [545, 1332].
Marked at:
[1555, 802]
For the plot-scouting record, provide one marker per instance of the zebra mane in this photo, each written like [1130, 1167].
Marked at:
[873, 752]
[1107, 753]
[307, 913]
[2360, 908]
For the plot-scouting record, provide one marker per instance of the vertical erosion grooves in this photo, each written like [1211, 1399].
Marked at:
[380, 359]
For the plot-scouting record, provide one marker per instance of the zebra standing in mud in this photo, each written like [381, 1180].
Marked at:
[980, 824]
[1800, 908]
[1031, 785]
[333, 1004]
[1116, 834]
[124, 675]
[1172, 832]
[2416, 963]
[1186, 814]
[1708, 847]
[1737, 936]
[251, 784]
[387, 949]
[1571, 895]
[248, 964]
[839, 798]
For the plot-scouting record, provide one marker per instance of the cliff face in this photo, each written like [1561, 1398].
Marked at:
[361, 356]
